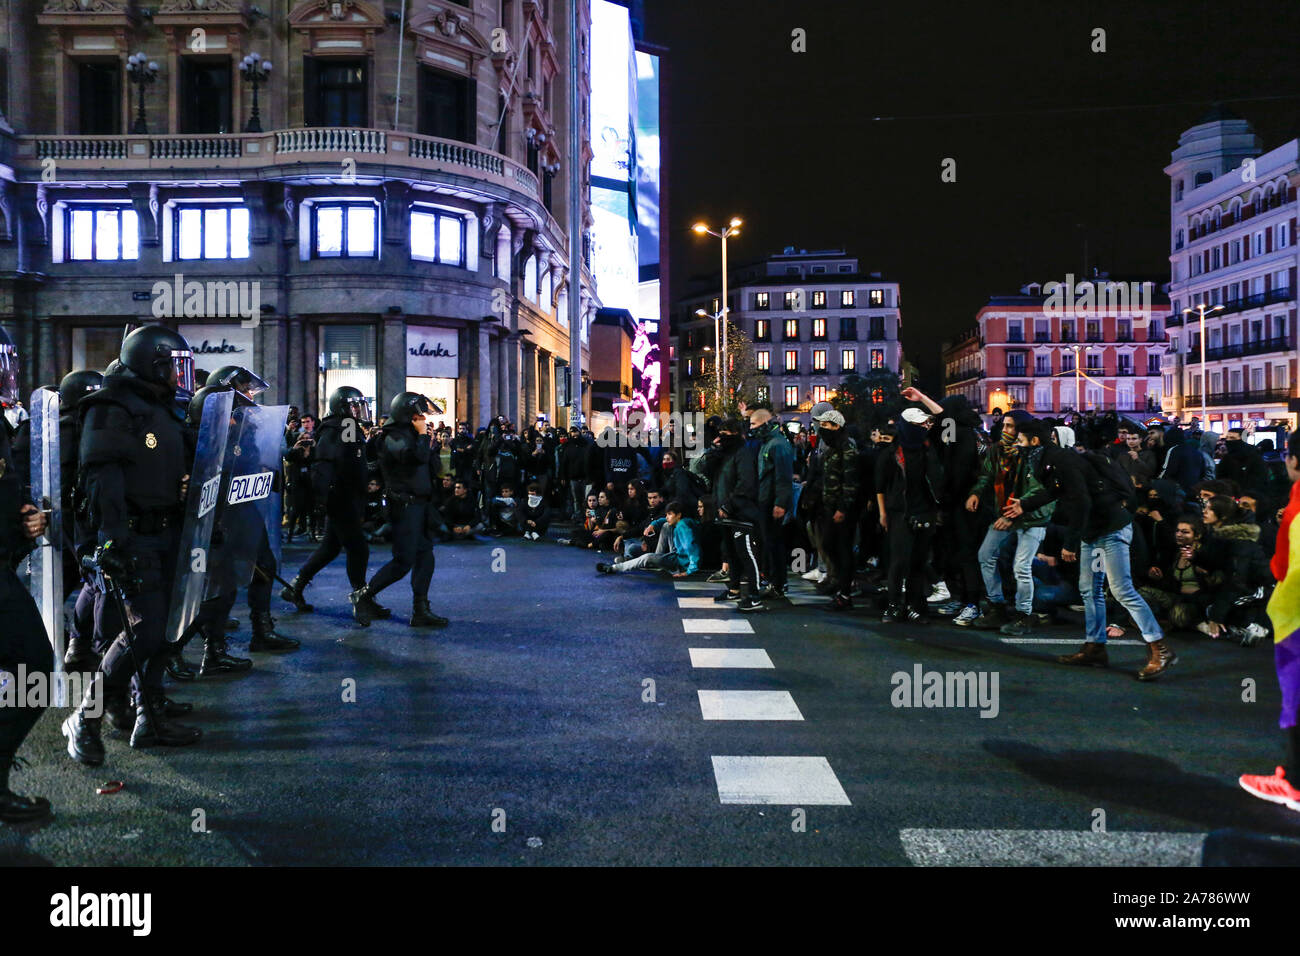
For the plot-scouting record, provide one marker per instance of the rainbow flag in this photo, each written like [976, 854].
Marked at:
[1284, 611]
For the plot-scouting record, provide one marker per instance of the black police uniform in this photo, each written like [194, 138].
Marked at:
[339, 475]
[133, 460]
[23, 641]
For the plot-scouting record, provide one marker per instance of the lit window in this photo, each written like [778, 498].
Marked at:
[762, 330]
[791, 360]
[792, 330]
[848, 360]
[761, 300]
[877, 358]
[846, 299]
[345, 229]
[102, 232]
[792, 396]
[764, 360]
[438, 236]
[877, 395]
[819, 300]
[819, 329]
[819, 393]
[877, 297]
[791, 301]
[212, 232]
[764, 394]
[819, 360]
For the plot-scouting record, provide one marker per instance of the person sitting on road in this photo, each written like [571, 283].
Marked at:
[461, 513]
[534, 516]
[681, 556]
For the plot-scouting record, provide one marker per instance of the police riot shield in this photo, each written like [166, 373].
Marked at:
[194, 563]
[45, 562]
[248, 516]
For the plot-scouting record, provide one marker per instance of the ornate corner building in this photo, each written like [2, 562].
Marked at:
[330, 191]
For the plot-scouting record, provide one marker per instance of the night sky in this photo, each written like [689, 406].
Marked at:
[1054, 144]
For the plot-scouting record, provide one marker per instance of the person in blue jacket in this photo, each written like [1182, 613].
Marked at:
[680, 557]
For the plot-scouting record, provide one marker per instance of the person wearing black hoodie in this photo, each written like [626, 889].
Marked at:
[1241, 463]
[1099, 531]
[909, 482]
[736, 491]
[1184, 465]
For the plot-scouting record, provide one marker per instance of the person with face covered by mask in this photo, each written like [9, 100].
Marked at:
[839, 502]
[909, 482]
[739, 516]
[534, 516]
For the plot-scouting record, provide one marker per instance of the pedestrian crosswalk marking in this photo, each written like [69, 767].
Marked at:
[730, 657]
[792, 781]
[1050, 848]
[703, 604]
[697, 586]
[1120, 642]
[716, 625]
[748, 705]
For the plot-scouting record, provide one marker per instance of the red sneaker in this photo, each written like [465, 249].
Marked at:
[1274, 789]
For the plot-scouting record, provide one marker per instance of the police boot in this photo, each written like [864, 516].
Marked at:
[216, 660]
[177, 667]
[13, 808]
[83, 732]
[293, 594]
[80, 656]
[364, 609]
[422, 616]
[264, 636]
[118, 710]
[155, 731]
[169, 707]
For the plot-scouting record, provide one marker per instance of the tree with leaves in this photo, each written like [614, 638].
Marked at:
[869, 400]
[743, 376]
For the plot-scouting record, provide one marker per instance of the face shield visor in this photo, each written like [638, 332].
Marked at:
[183, 367]
[8, 375]
[250, 385]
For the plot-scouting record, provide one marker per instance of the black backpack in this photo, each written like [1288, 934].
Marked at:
[1106, 477]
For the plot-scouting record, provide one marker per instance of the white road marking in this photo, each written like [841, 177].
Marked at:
[1050, 848]
[699, 586]
[704, 604]
[716, 625]
[730, 657]
[748, 705]
[792, 781]
[1114, 641]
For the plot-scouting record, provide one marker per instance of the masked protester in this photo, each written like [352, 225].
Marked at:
[839, 504]
[739, 517]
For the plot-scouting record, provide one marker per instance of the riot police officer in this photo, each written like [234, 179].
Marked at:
[404, 452]
[74, 387]
[23, 639]
[247, 385]
[134, 468]
[338, 473]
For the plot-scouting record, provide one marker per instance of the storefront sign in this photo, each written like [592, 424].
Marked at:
[432, 352]
[227, 344]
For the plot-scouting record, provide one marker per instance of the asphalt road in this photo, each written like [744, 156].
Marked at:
[526, 733]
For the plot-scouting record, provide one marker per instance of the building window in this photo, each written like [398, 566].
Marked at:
[792, 396]
[849, 328]
[848, 360]
[790, 301]
[335, 92]
[877, 359]
[446, 104]
[762, 302]
[348, 357]
[102, 233]
[764, 360]
[792, 330]
[847, 300]
[205, 95]
[762, 330]
[819, 329]
[690, 368]
[846, 268]
[348, 230]
[877, 328]
[212, 232]
[791, 360]
[1153, 363]
[764, 394]
[819, 360]
[819, 393]
[819, 300]
[1067, 361]
[1015, 330]
[438, 236]
[877, 298]
[99, 97]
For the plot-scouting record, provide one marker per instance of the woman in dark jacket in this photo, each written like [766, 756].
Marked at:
[1239, 572]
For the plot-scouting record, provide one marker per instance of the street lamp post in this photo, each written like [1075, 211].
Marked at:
[1205, 382]
[141, 71]
[731, 229]
[256, 71]
[718, 343]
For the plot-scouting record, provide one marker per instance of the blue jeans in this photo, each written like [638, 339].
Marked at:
[1027, 542]
[1110, 553]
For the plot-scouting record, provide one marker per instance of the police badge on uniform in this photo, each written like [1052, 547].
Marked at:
[150, 441]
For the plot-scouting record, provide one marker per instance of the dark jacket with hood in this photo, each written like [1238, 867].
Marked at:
[1233, 554]
[1183, 462]
[839, 470]
[775, 467]
[1244, 465]
[1061, 473]
[891, 478]
[954, 436]
[736, 488]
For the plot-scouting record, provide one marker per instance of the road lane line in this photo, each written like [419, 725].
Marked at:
[716, 625]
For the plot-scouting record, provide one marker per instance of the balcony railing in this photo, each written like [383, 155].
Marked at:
[277, 147]
[1241, 349]
[1252, 301]
[1016, 371]
[1126, 372]
[1015, 338]
[1042, 337]
[1251, 397]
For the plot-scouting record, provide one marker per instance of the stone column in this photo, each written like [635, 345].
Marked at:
[293, 364]
[391, 374]
[529, 409]
[482, 378]
[513, 376]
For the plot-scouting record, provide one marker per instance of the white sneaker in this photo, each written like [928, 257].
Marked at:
[939, 594]
[1252, 634]
[812, 575]
[967, 614]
